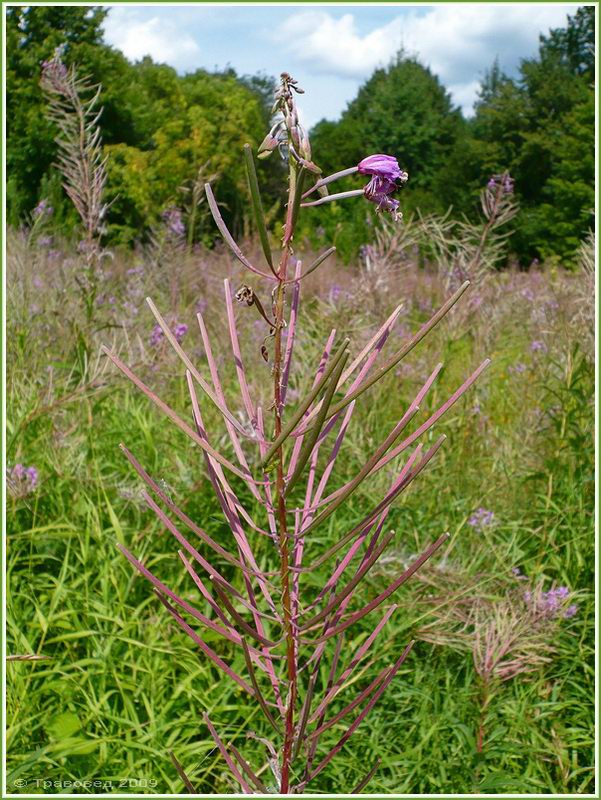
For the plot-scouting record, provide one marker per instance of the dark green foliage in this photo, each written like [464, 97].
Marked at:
[160, 128]
[402, 110]
[541, 127]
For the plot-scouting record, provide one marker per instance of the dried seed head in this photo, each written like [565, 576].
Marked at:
[245, 295]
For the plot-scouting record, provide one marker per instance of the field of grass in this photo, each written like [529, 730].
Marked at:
[119, 686]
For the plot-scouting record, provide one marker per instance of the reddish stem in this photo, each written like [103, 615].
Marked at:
[283, 539]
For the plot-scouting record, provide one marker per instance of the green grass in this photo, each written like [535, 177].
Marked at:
[122, 687]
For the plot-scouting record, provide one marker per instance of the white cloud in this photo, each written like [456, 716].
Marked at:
[334, 46]
[455, 41]
[465, 95]
[156, 37]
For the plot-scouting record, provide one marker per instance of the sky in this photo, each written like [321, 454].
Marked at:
[333, 49]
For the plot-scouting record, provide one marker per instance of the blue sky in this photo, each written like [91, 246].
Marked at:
[333, 49]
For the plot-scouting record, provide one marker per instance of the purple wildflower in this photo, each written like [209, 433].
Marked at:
[45, 241]
[173, 219]
[538, 347]
[54, 72]
[181, 329]
[385, 171]
[382, 166]
[22, 480]
[156, 336]
[528, 294]
[518, 368]
[335, 293]
[43, 209]
[481, 518]
[550, 604]
[505, 181]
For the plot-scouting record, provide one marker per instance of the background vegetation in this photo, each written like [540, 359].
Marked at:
[160, 128]
[117, 686]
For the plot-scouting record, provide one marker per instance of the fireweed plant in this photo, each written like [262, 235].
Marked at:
[284, 635]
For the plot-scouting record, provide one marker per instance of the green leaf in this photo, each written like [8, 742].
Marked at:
[257, 205]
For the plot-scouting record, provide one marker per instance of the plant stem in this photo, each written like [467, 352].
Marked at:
[283, 541]
[484, 700]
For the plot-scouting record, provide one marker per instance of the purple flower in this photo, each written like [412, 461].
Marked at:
[528, 294]
[173, 220]
[43, 208]
[22, 480]
[538, 347]
[505, 181]
[382, 166]
[156, 336]
[481, 518]
[518, 368]
[181, 329]
[551, 604]
[54, 72]
[335, 293]
[385, 171]
[45, 241]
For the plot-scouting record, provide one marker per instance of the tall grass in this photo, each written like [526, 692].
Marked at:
[120, 687]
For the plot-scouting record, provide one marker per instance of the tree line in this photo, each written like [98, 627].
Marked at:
[165, 133]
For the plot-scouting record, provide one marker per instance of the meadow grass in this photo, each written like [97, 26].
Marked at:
[121, 687]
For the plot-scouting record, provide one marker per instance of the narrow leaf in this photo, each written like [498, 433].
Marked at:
[173, 416]
[226, 756]
[258, 693]
[313, 434]
[180, 771]
[317, 263]
[398, 356]
[374, 699]
[257, 205]
[363, 783]
[305, 403]
[428, 553]
[219, 403]
[246, 769]
[227, 236]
